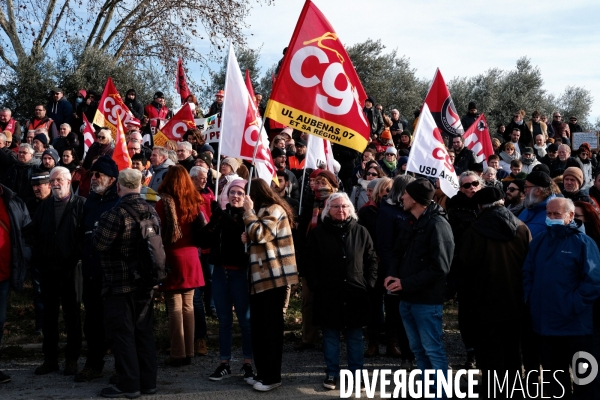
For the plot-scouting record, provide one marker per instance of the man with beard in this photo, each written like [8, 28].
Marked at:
[279, 159]
[284, 182]
[469, 118]
[464, 157]
[515, 197]
[538, 190]
[102, 198]
[49, 160]
[55, 236]
[18, 176]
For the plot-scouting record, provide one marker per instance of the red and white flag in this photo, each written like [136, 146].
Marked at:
[120, 155]
[477, 139]
[176, 127]
[112, 108]
[241, 123]
[181, 83]
[89, 136]
[317, 90]
[428, 155]
[318, 153]
[442, 108]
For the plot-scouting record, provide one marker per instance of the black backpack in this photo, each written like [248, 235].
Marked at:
[149, 267]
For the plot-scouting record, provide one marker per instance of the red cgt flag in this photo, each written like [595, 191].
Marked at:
[477, 138]
[89, 136]
[442, 108]
[112, 108]
[317, 90]
[176, 127]
[120, 154]
[181, 84]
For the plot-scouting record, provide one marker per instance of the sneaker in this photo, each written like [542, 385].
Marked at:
[70, 368]
[4, 378]
[46, 368]
[200, 347]
[247, 372]
[252, 381]
[261, 387]
[113, 392]
[87, 374]
[329, 383]
[221, 372]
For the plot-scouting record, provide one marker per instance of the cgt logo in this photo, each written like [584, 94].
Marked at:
[584, 368]
[343, 99]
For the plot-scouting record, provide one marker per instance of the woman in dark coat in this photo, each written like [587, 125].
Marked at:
[341, 267]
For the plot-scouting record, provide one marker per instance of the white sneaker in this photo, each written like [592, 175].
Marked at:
[261, 387]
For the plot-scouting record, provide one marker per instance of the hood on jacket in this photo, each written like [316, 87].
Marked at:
[168, 163]
[131, 91]
[496, 223]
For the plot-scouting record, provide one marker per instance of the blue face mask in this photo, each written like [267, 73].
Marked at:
[78, 100]
[551, 222]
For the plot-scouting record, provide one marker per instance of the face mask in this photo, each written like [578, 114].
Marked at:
[78, 100]
[551, 222]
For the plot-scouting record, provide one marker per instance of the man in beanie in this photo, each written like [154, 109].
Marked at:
[495, 286]
[572, 186]
[102, 198]
[419, 274]
[279, 159]
[40, 143]
[49, 160]
[528, 160]
[469, 118]
[515, 196]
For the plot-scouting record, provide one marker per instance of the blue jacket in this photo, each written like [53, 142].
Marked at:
[60, 111]
[561, 281]
[535, 217]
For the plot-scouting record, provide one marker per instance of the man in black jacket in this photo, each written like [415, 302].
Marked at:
[374, 117]
[14, 254]
[134, 105]
[464, 157]
[469, 118]
[18, 176]
[55, 235]
[424, 253]
[7, 156]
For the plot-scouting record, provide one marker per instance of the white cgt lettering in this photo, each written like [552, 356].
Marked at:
[177, 128]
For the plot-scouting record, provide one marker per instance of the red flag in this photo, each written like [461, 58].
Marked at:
[111, 108]
[317, 90]
[250, 88]
[180, 83]
[477, 138]
[442, 108]
[120, 154]
[176, 127]
[89, 136]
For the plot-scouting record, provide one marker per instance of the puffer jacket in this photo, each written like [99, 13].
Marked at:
[20, 251]
[341, 266]
[561, 281]
[423, 253]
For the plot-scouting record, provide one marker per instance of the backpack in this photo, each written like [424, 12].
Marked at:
[149, 267]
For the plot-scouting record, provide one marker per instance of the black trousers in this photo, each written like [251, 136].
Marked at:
[128, 320]
[557, 353]
[58, 289]
[266, 321]
[93, 325]
[467, 317]
[530, 343]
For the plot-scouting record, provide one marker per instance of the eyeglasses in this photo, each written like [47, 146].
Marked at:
[236, 193]
[101, 137]
[342, 206]
[511, 189]
[372, 174]
[133, 148]
[469, 184]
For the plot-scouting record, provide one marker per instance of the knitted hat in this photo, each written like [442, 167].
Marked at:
[315, 173]
[386, 134]
[52, 153]
[325, 173]
[542, 168]
[206, 147]
[401, 161]
[488, 195]
[553, 148]
[528, 150]
[391, 150]
[520, 184]
[540, 179]
[159, 95]
[372, 184]
[576, 173]
[521, 175]
[371, 99]
[42, 138]
[405, 132]
[237, 182]
[277, 152]
[206, 158]
[421, 190]
[472, 105]
[287, 131]
[37, 178]
[232, 162]
[106, 165]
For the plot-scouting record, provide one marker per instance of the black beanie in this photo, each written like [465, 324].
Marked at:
[106, 166]
[42, 138]
[540, 179]
[488, 195]
[421, 190]
[472, 105]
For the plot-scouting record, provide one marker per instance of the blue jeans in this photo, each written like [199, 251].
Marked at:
[199, 314]
[331, 349]
[230, 288]
[207, 271]
[4, 285]
[423, 324]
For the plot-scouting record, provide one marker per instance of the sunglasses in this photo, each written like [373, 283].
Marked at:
[372, 174]
[101, 137]
[512, 189]
[469, 184]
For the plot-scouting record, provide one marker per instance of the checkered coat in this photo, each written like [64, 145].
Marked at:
[272, 254]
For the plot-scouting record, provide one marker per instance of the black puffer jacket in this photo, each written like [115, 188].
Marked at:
[20, 252]
[56, 249]
[18, 178]
[341, 266]
[222, 235]
[424, 252]
[135, 106]
[7, 159]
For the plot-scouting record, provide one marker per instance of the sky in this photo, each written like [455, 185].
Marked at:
[462, 38]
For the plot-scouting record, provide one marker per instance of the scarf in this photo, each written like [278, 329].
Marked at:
[171, 229]
[527, 161]
[506, 158]
[391, 165]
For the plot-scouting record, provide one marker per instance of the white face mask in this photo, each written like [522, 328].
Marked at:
[550, 221]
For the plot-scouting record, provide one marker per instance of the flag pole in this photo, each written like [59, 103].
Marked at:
[303, 177]
[221, 133]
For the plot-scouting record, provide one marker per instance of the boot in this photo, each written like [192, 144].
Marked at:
[373, 349]
[392, 344]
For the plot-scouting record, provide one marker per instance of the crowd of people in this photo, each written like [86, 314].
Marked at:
[371, 246]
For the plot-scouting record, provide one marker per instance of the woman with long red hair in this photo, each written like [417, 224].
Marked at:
[178, 207]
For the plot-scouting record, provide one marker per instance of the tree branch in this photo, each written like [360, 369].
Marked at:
[55, 26]
[6, 60]
[107, 18]
[10, 28]
[97, 23]
[37, 42]
[122, 23]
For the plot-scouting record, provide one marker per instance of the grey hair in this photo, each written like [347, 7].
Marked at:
[186, 145]
[196, 170]
[161, 151]
[466, 174]
[395, 110]
[67, 125]
[381, 182]
[27, 147]
[497, 203]
[172, 155]
[6, 110]
[3, 136]
[136, 134]
[490, 170]
[567, 148]
[60, 171]
[398, 187]
[108, 134]
[335, 196]
[566, 204]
